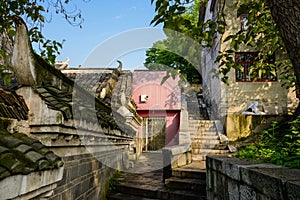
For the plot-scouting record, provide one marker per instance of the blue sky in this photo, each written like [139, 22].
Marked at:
[106, 21]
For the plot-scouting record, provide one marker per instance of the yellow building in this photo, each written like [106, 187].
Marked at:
[234, 98]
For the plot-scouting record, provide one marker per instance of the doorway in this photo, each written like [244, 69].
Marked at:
[154, 130]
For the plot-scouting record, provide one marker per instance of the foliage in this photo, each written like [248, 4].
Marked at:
[159, 58]
[262, 35]
[177, 54]
[112, 183]
[280, 145]
[35, 12]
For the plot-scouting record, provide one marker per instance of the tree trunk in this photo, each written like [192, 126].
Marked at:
[286, 14]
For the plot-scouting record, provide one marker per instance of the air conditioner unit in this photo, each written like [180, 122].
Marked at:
[143, 98]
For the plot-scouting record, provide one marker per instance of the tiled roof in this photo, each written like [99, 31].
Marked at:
[90, 81]
[12, 105]
[20, 154]
[60, 100]
[56, 99]
[124, 86]
[95, 82]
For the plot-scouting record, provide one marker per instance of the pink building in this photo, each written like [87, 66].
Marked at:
[159, 105]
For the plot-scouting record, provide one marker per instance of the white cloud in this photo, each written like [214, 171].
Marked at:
[118, 17]
[133, 8]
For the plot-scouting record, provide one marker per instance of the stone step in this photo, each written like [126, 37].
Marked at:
[189, 173]
[200, 130]
[201, 141]
[201, 123]
[154, 192]
[203, 146]
[123, 196]
[197, 127]
[198, 157]
[200, 154]
[204, 133]
[187, 184]
[209, 151]
[204, 121]
[205, 137]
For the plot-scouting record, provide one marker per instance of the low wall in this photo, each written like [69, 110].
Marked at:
[86, 176]
[242, 125]
[174, 157]
[233, 178]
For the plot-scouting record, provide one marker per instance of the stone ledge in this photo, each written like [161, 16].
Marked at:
[254, 178]
[177, 149]
[175, 156]
[31, 185]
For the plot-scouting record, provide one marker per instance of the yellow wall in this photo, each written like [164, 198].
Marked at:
[239, 95]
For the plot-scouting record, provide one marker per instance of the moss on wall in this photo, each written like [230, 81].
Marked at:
[240, 126]
[5, 122]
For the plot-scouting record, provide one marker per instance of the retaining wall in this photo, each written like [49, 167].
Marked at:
[86, 176]
[233, 178]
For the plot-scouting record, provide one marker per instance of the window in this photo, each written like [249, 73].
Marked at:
[246, 59]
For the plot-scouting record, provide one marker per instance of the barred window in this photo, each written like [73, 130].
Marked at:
[246, 59]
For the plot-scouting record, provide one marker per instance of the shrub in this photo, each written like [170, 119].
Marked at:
[279, 144]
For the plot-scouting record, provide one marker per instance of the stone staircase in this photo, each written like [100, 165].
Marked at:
[203, 131]
[205, 139]
[196, 108]
[185, 183]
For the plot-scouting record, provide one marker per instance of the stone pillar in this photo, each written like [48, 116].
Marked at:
[184, 133]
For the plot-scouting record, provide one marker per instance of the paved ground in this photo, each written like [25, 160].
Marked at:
[145, 179]
[148, 170]
[148, 162]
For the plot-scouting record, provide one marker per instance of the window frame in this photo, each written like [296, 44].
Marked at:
[246, 65]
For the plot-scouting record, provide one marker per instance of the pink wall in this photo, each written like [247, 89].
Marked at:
[163, 100]
[160, 97]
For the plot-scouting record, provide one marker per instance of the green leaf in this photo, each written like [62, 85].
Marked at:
[165, 78]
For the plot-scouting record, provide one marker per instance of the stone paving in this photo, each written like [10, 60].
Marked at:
[147, 171]
[148, 162]
[144, 179]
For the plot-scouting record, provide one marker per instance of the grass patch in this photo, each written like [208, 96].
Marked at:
[112, 183]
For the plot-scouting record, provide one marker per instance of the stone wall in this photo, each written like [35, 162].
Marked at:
[174, 157]
[86, 176]
[240, 126]
[91, 152]
[233, 178]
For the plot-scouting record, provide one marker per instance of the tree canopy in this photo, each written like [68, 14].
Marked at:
[36, 13]
[171, 54]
